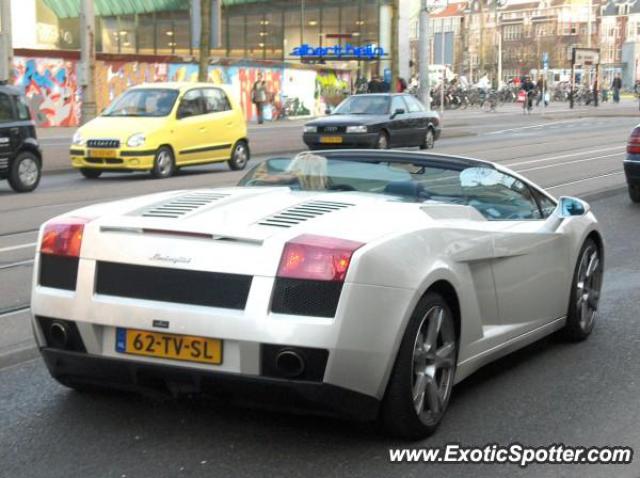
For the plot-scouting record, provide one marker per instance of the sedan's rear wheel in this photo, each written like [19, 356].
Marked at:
[422, 378]
[24, 172]
[634, 193]
[585, 292]
[383, 141]
[429, 139]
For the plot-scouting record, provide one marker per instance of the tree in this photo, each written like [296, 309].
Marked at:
[205, 39]
[395, 17]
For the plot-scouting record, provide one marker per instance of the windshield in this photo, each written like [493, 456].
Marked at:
[363, 105]
[143, 102]
[496, 195]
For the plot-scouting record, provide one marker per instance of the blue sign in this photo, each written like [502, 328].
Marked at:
[366, 52]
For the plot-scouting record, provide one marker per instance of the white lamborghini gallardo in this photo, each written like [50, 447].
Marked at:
[364, 283]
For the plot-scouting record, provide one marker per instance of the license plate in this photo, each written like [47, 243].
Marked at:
[102, 153]
[169, 346]
[331, 139]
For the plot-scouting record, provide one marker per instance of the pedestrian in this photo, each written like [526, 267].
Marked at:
[616, 86]
[540, 85]
[375, 85]
[636, 91]
[595, 92]
[401, 86]
[259, 96]
[529, 88]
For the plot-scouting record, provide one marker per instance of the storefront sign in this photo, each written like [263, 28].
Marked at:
[366, 52]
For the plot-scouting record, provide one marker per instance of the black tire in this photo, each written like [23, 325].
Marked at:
[240, 156]
[429, 139]
[382, 142]
[25, 172]
[90, 173]
[634, 193]
[164, 164]
[399, 413]
[580, 321]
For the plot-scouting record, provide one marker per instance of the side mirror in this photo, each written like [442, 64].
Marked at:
[327, 111]
[570, 207]
[397, 112]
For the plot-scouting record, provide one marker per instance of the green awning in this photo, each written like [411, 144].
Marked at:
[107, 8]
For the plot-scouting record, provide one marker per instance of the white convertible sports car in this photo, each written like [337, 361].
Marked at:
[362, 283]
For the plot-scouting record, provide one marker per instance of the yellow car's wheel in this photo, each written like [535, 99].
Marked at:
[164, 164]
[239, 156]
[90, 173]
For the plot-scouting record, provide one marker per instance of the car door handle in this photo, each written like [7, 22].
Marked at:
[230, 124]
[203, 129]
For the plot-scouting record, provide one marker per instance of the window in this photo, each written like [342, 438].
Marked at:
[397, 103]
[23, 109]
[6, 109]
[512, 32]
[414, 105]
[143, 102]
[192, 104]
[215, 100]
[547, 206]
[498, 196]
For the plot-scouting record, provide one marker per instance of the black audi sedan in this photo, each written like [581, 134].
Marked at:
[381, 120]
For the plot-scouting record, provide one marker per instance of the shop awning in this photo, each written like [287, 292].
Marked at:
[106, 8]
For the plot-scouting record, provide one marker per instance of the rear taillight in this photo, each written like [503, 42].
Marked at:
[633, 145]
[63, 237]
[317, 258]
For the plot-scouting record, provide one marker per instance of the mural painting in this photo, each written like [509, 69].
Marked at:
[242, 80]
[113, 78]
[189, 72]
[51, 88]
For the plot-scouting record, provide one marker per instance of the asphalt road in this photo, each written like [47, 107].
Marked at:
[551, 392]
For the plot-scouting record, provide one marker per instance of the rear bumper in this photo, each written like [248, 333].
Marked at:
[350, 140]
[81, 368]
[632, 169]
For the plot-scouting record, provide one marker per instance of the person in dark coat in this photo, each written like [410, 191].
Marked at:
[616, 86]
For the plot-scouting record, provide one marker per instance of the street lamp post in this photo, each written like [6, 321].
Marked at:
[87, 60]
[6, 46]
[423, 55]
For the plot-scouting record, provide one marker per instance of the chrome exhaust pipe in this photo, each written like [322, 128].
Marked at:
[58, 335]
[290, 363]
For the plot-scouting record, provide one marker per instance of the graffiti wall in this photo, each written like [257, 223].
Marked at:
[53, 94]
[51, 88]
[242, 80]
[298, 98]
[113, 78]
[189, 72]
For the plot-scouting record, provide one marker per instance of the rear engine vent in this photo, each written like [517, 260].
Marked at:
[180, 286]
[302, 212]
[176, 207]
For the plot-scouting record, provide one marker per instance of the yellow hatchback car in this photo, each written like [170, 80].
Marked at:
[161, 127]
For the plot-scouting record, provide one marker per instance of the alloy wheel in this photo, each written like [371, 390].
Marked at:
[165, 163]
[588, 287]
[240, 155]
[434, 355]
[28, 172]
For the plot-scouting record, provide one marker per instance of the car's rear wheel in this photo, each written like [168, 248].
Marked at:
[25, 172]
[164, 164]
[429, 139]
[585, 292]
[239, 156]
[382, 142]
[634, 193]
[90, 173]
[420, 384]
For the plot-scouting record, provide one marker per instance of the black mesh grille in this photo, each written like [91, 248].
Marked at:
[306, 297]
[212, 289]
[60, 272]
[103, 143]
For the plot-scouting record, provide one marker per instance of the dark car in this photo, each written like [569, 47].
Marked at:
[20, 155]
[379, 121]
[632, 164]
